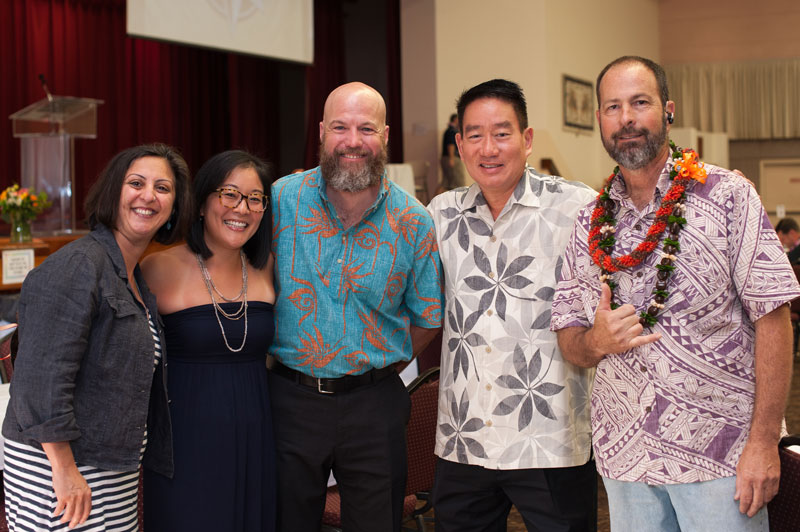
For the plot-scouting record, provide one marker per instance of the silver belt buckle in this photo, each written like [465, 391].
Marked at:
[319, 388]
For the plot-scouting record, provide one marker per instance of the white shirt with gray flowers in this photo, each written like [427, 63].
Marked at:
[507, 399]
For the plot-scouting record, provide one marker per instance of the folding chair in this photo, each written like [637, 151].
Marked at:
[794, 309]
[784, 509]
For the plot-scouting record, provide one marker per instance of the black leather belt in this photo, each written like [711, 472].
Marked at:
[330, 386]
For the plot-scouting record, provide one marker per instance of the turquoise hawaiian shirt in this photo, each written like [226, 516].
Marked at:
[346, 297]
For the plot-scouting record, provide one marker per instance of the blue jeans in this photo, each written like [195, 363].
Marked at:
[693, 507]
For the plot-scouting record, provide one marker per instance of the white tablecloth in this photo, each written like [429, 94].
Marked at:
[403, 175]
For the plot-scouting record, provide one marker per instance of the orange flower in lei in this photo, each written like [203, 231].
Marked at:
[686, 168]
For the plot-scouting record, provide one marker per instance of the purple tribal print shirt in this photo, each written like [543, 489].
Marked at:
[678, 410]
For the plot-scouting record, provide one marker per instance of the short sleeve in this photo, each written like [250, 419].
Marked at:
[761, 273]
[568, 308]
[424, 297]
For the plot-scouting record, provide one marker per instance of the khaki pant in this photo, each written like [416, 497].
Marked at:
[452, 176]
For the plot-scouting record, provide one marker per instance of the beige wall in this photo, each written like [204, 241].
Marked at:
[532, 42]
[582, 37]
[418, 73]
[711, 31]
[746, 155]
[722, 31]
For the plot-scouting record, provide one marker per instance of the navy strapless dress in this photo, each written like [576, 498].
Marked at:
[222, 426]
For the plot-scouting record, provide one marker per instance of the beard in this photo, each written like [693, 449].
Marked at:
[635, 155]
[352, 179]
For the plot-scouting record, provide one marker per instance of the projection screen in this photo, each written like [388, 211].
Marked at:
[281, 29]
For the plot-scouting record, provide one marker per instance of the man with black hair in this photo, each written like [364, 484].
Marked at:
[513, 422]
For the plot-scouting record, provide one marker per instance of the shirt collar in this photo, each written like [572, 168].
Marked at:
[105, 237]
[619, 192]
[523, 194]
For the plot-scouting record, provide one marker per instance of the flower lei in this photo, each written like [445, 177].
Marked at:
[669, 215]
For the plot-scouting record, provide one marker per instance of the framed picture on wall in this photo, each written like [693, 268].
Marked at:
[578, 104]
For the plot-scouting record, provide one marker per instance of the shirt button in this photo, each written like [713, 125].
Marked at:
[339, 261]
[489, 312]
[648, 409]
[491, 275]
[489, 423]
[639, 274]
[492, 238]
[638, 227]
[488, 349]
[643, 368]
[344, 240]
[488, 386]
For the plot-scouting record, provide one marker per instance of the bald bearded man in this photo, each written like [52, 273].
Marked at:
[359, 294]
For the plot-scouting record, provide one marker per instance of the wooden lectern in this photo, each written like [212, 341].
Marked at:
[47, 130]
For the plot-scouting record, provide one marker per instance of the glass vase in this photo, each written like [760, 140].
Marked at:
[20, 230]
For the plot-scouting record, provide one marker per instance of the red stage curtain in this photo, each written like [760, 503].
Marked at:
[197, 100]
[394, 97]
[327, 73]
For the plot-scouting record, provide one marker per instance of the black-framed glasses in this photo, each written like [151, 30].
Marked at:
[231, 198]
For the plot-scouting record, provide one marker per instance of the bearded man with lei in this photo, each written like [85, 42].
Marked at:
[675, 287]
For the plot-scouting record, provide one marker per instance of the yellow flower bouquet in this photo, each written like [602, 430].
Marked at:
[19, 207]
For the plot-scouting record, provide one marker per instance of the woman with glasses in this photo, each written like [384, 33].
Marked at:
[215, 295]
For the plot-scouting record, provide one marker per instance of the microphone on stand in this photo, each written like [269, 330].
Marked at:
[46, 90]
[51, 103]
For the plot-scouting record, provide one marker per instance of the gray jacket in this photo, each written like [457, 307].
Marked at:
[84, 369]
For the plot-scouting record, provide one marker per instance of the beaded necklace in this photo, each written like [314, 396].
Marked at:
[235, 315]
[669, 215]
